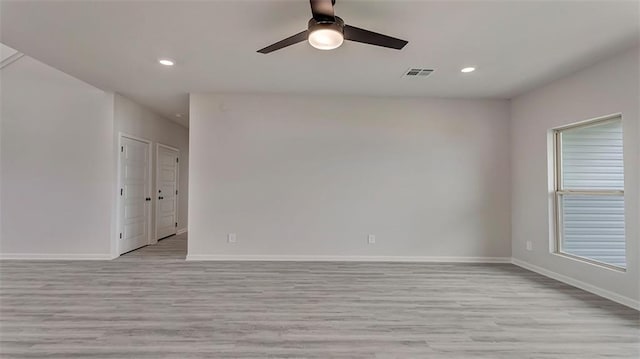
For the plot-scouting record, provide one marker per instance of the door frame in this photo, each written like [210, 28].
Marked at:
[157, 186]
[119, 204]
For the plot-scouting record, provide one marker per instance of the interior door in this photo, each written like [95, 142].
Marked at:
[135, 186]
[167, 195]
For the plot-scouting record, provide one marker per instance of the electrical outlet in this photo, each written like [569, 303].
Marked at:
[371, 239]
[231, 238]
[529, 246]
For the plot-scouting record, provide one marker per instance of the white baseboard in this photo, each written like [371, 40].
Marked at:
[629, 302]
[55, 257]
[308, 258]
[181, 231]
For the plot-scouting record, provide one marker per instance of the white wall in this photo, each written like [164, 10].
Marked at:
[606, 88]
[133, 119]
[312, 176]
[56, 157]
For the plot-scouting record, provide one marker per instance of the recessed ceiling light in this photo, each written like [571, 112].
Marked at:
[468, 69]
[166, 62]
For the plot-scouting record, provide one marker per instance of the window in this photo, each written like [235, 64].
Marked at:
[589, 193]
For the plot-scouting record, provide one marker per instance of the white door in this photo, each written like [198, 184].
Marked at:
[167, 191]
[135, 185]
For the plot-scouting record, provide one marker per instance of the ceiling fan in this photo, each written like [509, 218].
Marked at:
[326, 32]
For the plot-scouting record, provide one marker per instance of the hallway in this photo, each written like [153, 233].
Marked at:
[170, 248]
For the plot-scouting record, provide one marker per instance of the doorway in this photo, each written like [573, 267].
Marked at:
[135, 193]
[167, 160]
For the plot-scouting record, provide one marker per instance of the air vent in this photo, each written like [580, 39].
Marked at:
[417, 73]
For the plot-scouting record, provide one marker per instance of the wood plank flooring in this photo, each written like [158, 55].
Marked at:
[153, 304]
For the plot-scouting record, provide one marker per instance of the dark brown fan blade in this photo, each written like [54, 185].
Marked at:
[372, 38]
[299, 37]
[322, 10]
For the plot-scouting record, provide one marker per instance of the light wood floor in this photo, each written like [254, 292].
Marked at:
[153, 304]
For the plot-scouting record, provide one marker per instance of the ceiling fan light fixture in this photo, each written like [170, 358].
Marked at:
[326, 35]
[326, 38]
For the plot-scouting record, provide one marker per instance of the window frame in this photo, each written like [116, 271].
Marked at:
[559, 191]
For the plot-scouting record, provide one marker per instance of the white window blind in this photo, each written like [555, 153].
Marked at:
[590, 192]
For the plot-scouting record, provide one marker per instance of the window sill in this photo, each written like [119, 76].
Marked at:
[590, 262]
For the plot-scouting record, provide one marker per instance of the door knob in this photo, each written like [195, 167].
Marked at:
[148, 199]
[160, 197]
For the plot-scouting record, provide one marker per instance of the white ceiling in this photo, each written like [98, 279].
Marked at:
[515, 45]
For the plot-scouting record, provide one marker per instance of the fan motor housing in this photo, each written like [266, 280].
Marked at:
[337, 25]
